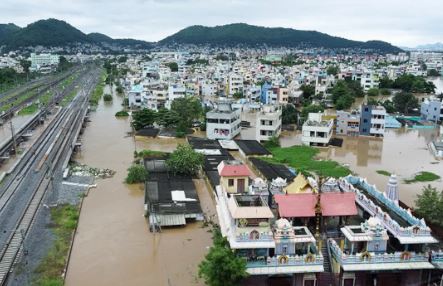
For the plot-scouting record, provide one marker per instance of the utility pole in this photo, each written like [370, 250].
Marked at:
[13, 137]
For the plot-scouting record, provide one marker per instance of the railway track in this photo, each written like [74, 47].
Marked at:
[40, 89]
[86, 72]
[23, 191]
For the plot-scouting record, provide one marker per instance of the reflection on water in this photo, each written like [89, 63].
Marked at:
[113, 245]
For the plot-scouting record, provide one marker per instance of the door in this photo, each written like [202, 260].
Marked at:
[240, 185]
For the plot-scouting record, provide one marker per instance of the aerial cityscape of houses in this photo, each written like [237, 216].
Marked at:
[235, 142]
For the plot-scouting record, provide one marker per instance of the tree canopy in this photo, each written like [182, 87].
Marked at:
[221, 267]
[289, 114]
[429, 204]
[409, 83]
[142, 118]
[184, 160]
[187, 109]
[405, 102]
[313, 108]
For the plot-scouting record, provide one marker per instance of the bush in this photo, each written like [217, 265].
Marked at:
[385, 91]
[107, 97]
[136, 174]
[273, 142]
[122, 113]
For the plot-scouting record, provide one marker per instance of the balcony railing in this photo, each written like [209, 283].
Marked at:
[418, 227]
[247, 237]
[285, 260]
[371, 257]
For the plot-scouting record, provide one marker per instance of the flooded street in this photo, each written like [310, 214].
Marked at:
[113, 245]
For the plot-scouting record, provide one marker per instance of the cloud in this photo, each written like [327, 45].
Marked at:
[401, 22]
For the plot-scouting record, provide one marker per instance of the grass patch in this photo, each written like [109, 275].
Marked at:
[122, 113]
[97, 93]
[383, 172]
[50, 269]
[30, 109]
[149, 154]
[302, 158]
[68, 98]
[423, 177]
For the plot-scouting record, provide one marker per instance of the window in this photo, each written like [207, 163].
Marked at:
[231, 182]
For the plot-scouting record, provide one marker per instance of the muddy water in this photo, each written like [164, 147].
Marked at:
[403, 152]
[113, 245]
[438, 81]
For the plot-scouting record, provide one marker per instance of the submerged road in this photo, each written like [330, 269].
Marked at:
[21, 193]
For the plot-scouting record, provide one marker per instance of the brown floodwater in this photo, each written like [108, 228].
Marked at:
[403, 152]
[113, 245]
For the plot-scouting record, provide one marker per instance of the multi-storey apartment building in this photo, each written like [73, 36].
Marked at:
[268, 122]
[223, 122]
[316, 130]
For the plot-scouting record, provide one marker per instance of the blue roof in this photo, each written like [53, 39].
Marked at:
[137, 88]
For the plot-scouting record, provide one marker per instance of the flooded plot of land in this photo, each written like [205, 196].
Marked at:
[402, 151]
[113, 245]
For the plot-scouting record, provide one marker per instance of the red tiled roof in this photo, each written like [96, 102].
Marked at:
[297, 205]
[338, 204]
[227, 170]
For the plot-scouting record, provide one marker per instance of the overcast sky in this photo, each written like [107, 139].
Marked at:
[400, 22]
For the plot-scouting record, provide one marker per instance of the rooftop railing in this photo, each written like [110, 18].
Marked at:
[417, 227]
[372, 257]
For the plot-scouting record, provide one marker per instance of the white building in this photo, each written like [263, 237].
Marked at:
[317, 131]
[135, 96]
[369, 80]
[432, 109]
[268, 122]
[223, 122]
[175, 91]
[43, 60]
[235, 84]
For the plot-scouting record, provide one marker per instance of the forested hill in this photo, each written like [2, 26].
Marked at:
[53, 32]
[244, 34]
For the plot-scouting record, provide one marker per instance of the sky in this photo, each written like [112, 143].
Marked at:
[400, 22]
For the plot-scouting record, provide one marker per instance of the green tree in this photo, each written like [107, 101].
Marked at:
[64, 64]
[122, 59]
[385, 82]
[404, 102]
[238, 95]
[167, 118]
[373, 92]
[25, 65]
[313, 108]
[289, 114]
[433, 72]
[308, 90]
[429, 204]
[119, 89]
[187, 109]
[333, 70]
[142, 118]
[389, 106]
[136, 174]
[221, 267]
[344, 102]
[184, 160]
[173, 66]
[273, 142]
[385, 91]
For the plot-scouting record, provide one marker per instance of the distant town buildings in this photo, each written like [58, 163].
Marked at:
[43, 62]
